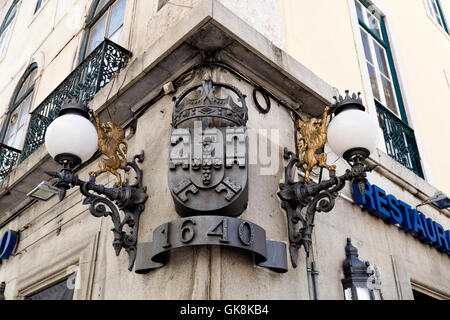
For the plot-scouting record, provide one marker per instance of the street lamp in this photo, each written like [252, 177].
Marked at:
[352, 130]
[71, 139]
[356, 275]
[353, 135]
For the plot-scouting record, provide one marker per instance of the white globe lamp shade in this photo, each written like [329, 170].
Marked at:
[72, 137]
[352, 131]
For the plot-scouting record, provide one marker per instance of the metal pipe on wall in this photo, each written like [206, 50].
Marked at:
[310, 283]
[315, 275]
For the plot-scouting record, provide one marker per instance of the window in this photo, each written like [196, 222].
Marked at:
[377, 58]
[383, 79]
[60, 291]
[14, 126]
[39, 5]
[421, 292]
[419, 296]
[105, 21]
[6, 27]
[435, 12]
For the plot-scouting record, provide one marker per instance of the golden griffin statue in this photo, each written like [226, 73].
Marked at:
[112, 146]
[313, 138]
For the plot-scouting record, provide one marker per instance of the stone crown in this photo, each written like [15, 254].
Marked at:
[209, 105]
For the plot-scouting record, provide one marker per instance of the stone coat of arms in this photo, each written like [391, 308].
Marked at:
[208, 165]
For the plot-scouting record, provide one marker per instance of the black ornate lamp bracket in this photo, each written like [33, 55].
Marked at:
[128, 198]
[302, 201]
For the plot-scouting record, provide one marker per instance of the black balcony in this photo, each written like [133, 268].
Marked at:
[8, 158]
[400, 140]
[96, 71]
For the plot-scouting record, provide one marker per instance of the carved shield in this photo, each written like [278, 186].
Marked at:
[208, 166]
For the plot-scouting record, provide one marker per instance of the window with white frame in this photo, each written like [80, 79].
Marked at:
[375, 51]
[14, 126]
[105, 21]
[6, 27]
[375, 44]
[435, 12]
[62, 290]
[378, 59]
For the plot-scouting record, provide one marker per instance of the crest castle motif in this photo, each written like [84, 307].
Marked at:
[208, 165]
[207, 178]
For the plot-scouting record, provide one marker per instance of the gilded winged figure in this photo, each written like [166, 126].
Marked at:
[112, 146]
[313, 138]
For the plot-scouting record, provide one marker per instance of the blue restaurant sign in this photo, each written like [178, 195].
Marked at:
[396, 212]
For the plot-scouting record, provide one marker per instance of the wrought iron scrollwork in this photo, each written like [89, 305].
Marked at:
[400, 140]
[104, 202]
[8, 159]
[95, 72]
[302, 200]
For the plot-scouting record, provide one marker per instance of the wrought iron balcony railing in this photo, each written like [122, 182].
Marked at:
[400, 140]
[96, 71]
[8, 158]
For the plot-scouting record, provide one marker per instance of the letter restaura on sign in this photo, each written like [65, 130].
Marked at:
[397, 212]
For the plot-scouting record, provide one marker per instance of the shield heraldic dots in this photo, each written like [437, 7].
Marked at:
[235, 147]
[181, 147]
[208, 171]
[208, 177]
